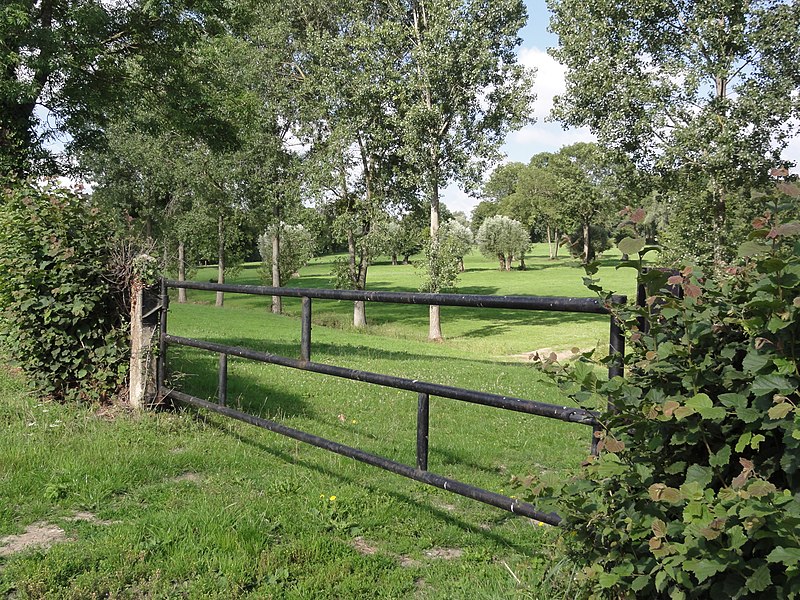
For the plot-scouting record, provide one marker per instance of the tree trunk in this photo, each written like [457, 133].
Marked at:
[556, 243]
[181, 271]
[220, 258]
[434, 323]
[394, 258]
[586, 244]
[522, 266]
[551, 251]
[406, 259]
[359, 314]
[277, 301]
[461, 264]
[509, 258]
[358, 279]
[502, 260]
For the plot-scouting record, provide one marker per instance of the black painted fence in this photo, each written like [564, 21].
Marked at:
[423, 389]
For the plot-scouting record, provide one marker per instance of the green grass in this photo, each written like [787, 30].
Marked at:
[490, 332]
[195, 505]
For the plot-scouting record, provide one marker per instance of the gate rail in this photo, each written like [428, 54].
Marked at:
[423, 389]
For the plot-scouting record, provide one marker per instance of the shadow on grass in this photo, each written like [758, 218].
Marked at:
[441, 514]
[196, 373]
[357, 357]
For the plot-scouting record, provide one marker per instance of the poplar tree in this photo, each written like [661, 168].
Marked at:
[704, 93]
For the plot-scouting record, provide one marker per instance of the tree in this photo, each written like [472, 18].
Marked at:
[352, 124]
[482, 211]
[503, 181]
[296, 249]
[588, 194]
[65, 64]
[705, 93]
[504, 238]
[460, 238]
[538, 199]
[408, 236]
[464, 90]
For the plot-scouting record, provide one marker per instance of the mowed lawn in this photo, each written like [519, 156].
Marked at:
[186, 504]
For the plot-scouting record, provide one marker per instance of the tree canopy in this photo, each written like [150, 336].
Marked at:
[704, 93]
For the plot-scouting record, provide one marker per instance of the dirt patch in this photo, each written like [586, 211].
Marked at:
[444, 553]
[407, 562]
[38, 535]
[189, 476]
[548, 354]
[364, 547]
[89, 518]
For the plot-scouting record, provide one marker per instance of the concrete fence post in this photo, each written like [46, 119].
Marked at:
[142, 388]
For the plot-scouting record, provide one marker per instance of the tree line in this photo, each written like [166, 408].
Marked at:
[206, 124]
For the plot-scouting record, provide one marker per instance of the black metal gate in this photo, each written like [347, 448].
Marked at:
[423, 389]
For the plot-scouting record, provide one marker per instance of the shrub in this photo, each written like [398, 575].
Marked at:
[460, 238]
[60, 318]
[504, 238]
[696, 491]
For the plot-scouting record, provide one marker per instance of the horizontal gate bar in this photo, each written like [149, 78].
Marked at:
[562, 413]
[551, 303]
[445, 483]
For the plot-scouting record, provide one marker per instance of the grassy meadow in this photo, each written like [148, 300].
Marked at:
[186, 504]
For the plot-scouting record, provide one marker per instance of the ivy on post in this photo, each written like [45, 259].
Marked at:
[145, 305]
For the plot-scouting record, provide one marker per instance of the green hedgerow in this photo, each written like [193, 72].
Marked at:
[696, 489]
[61, 319]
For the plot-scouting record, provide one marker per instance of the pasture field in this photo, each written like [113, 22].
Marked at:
[187, 504]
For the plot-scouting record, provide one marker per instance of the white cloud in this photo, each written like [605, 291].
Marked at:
[544, 135]
[792, 153]
[549, 79]
[457, 199]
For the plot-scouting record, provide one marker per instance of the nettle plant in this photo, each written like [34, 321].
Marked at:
[695, 492]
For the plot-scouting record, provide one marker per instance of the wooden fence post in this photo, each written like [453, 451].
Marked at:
[142, 389]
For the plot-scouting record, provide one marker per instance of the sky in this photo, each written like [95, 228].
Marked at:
[543, 135]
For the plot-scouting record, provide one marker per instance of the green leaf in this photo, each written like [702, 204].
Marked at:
[704, 406]
[748, 415]
[608, 580]
[661, 578]
[704, 568]
[733, 400]
[720, 458]
[640, 582]
[751, 248]
[699, 474]
[760, 580]
[754, 362]
[699, 401]
[744, 440]
[766, 384]
[631, 245]
[787, 556]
